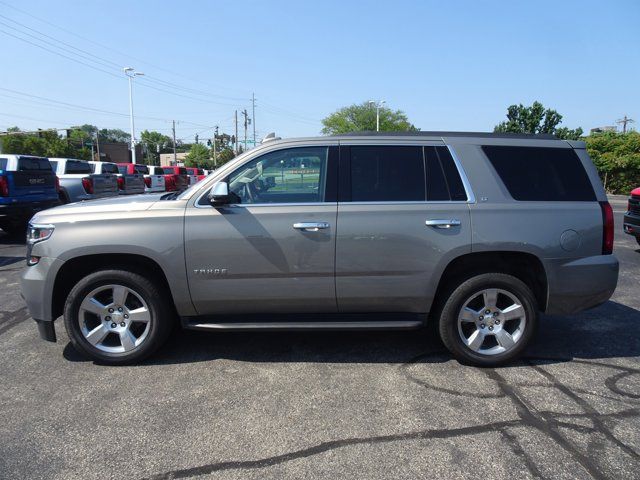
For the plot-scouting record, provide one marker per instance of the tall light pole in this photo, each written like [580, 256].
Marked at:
[130, 73]
[378, 105]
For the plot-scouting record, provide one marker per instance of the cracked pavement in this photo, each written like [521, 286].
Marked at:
[368, 405]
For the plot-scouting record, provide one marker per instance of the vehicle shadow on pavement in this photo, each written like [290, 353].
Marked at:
[12, 240]
[592, 334]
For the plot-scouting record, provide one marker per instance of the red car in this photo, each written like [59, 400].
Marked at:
[179, 178]
[632, 217]
[198, 173]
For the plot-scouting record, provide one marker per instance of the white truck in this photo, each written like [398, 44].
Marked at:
[127, 184]
[78, 181]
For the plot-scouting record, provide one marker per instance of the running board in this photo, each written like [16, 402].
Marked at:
[301, 326]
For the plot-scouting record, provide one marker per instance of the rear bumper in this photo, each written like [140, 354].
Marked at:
[25, 210]
[576, 285]
[631, 225]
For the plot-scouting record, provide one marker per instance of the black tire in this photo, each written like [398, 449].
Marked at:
[638, 240]
[63, 198]
[448, 318]
[162, 317]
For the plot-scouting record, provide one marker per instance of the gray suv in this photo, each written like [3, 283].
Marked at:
[475, 232]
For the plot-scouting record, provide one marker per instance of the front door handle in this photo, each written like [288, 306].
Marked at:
[443, 223]
[310, 226]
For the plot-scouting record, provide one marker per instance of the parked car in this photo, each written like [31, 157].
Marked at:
[129, 183]
[195, 175]
[475, 232]
[27, 185]
[78, 182]
[169, 179]
[632, 217]
[179, 176]
[153, 183]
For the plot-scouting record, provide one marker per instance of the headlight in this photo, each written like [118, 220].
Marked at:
[38, 233]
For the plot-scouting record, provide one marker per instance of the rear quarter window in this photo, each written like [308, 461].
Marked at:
[109, 168]
[33, 163]
[541, 173]
[3, 163]
[74, 166]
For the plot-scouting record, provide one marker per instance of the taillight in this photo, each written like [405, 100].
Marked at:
[121, 183]
[57, 184]
[607, 228]
[147, 181]
[4, 186]
[87, 184]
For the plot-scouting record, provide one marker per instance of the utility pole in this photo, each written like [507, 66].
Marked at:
[624, 122]
[253, 116]
[236, 142]
[175, 157]
[131, 73]
[215, 138]
[246, 115]
[98, 144]
[378, 107]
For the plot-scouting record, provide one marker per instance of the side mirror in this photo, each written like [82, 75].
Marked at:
[219, 194]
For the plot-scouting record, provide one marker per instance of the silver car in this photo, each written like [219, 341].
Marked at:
[475, 232]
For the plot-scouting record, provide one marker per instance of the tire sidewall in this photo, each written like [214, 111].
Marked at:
[449, 317]
[143, 287]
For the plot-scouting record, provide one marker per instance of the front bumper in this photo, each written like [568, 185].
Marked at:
[576, 285]
[36, 285]
[631, 225]
[21, 211]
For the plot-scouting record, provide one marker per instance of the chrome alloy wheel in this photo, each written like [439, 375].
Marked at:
[491, 321]
[114, 318]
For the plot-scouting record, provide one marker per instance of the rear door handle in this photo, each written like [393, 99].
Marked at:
[443, 223]
[310, 226]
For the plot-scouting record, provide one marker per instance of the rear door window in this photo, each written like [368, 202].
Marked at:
[110, 168]
[541, 173]
[30, 164]
[387, 174]
[75, 166]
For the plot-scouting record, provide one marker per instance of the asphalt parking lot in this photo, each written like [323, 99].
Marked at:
[326, 405]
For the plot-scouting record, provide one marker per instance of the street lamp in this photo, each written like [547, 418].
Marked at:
[130, 73]
[378, 105]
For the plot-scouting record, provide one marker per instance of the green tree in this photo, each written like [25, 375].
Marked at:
[617, 158]
[362, 118]
[198, 156]
[225, 155]
[536, 119]
[114, 135]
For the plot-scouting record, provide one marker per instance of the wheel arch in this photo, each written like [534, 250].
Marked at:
[78, 267]
[522, 265]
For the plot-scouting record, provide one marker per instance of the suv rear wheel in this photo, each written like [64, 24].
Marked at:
[489, 319]
[117, 316]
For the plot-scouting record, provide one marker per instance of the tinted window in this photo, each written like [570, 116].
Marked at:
[168, 170]
[141, 169]
[74, 166]
[387, 174]
[182, 171]
[110, 168]
[3, 163]
[294, 175]
[541, 174]
[454, 182]
[33, 163]
[122, 170]
[437, 188]
[54, 165]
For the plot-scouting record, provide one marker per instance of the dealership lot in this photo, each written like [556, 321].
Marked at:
[317, 405]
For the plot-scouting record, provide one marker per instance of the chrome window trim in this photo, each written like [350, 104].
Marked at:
[463, 176]
[471, 198]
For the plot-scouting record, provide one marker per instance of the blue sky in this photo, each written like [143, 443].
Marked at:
[449, 65]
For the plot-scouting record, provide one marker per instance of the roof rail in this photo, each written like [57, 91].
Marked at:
[533, 136]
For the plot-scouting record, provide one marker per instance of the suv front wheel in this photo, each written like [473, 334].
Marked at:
[489, 319]
[117, 316]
